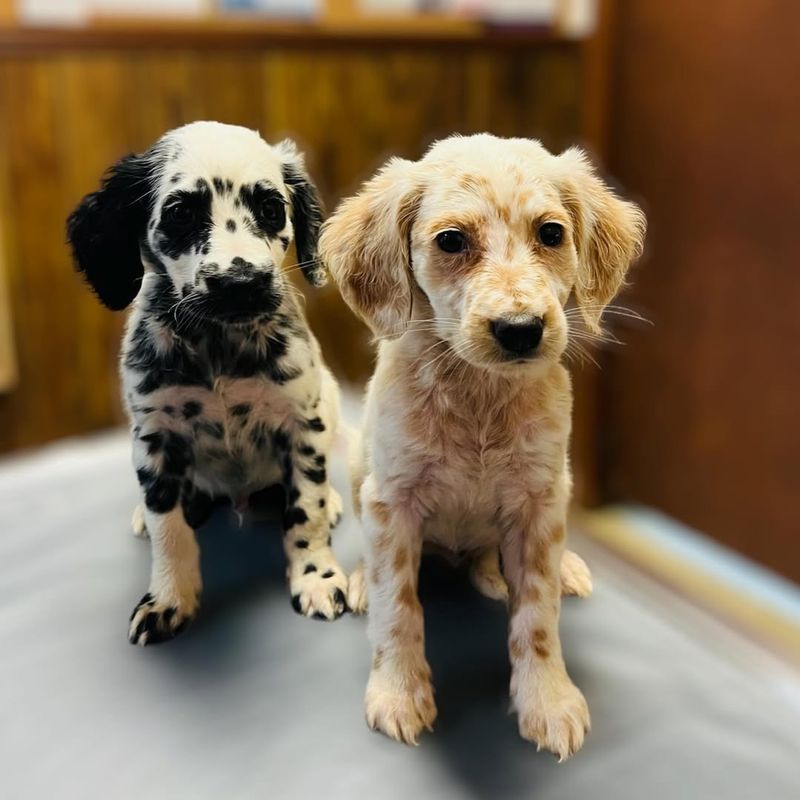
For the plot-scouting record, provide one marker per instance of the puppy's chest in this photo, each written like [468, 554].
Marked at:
[231, 429]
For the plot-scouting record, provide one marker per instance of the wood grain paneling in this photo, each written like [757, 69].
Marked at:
[701, 410]
[67, 113]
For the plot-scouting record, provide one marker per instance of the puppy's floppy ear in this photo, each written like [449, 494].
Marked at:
[306, 211]
[608, 232]
[365, 244]
[106, 228]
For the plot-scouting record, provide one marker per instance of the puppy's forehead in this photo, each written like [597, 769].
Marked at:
[488, 174]
[213, 150]
[504, 193]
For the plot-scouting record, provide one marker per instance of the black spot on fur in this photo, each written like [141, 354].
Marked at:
[309, 568]
[280, 440]
[329, 573]
[315, 424]
[219, 186]
[160, 491]
[294, 516]
[284, 240]
[240, 409]
[294, 495]
[306, 450]
[319, 460]
[230, 225]
[177, 453]
[316, 475]
[296, 603]
[170, 410]
[191, 408]
[175, 366]
[176, 177]
[185, 223]
[340, 600]
[197, 505]
[302, 544]
[154, 442]
[322, 502]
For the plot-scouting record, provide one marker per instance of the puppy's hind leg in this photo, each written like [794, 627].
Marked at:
[485, 574]
[138, 525]
[576, 579]
[357, 590]
[487, 577]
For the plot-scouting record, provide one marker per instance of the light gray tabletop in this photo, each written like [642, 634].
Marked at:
[256, 702]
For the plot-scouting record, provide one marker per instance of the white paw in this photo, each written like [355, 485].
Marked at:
[160, 617]
[576, 579]
[317, 584]
[400, 708]
[553, 714]
[334, 506]
[357, 590]
[138, 523]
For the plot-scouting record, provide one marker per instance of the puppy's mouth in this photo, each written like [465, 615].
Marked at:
[240, 308]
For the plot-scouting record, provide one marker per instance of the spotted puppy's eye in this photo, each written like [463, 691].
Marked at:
[451, 241]
[272, 212]
[551, 234]
[178, 214]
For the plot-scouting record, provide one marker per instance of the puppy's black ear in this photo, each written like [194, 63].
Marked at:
[106, 228]
[306, 212]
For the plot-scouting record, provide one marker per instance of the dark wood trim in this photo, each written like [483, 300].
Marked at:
[242, 33]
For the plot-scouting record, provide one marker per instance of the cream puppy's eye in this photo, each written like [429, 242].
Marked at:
[451, 241]
[551, 234]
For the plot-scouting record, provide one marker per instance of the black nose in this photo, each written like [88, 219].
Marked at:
[521, 337]
[229, 282]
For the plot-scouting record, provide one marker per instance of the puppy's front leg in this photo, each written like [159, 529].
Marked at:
[399, 696]
[551, 709]
[162, 459]
[317, 583]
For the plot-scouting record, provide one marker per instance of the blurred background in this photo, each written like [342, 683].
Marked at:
[686, 445]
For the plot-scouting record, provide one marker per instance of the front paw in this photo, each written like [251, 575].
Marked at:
[399, 706]
[160, 618]
[553, 714]
[318, 585]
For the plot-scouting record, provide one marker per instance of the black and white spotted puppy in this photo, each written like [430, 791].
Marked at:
[224, 383]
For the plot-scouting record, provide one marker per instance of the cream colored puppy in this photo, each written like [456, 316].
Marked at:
[462, 264]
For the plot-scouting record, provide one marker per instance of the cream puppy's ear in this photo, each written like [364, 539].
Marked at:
[609, 235]
[365, 245]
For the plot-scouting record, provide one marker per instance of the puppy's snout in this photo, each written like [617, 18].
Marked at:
[519, 336]
[241, 290]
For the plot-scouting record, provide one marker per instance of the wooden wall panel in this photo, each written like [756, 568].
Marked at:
[701, 409]
[66, 114]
